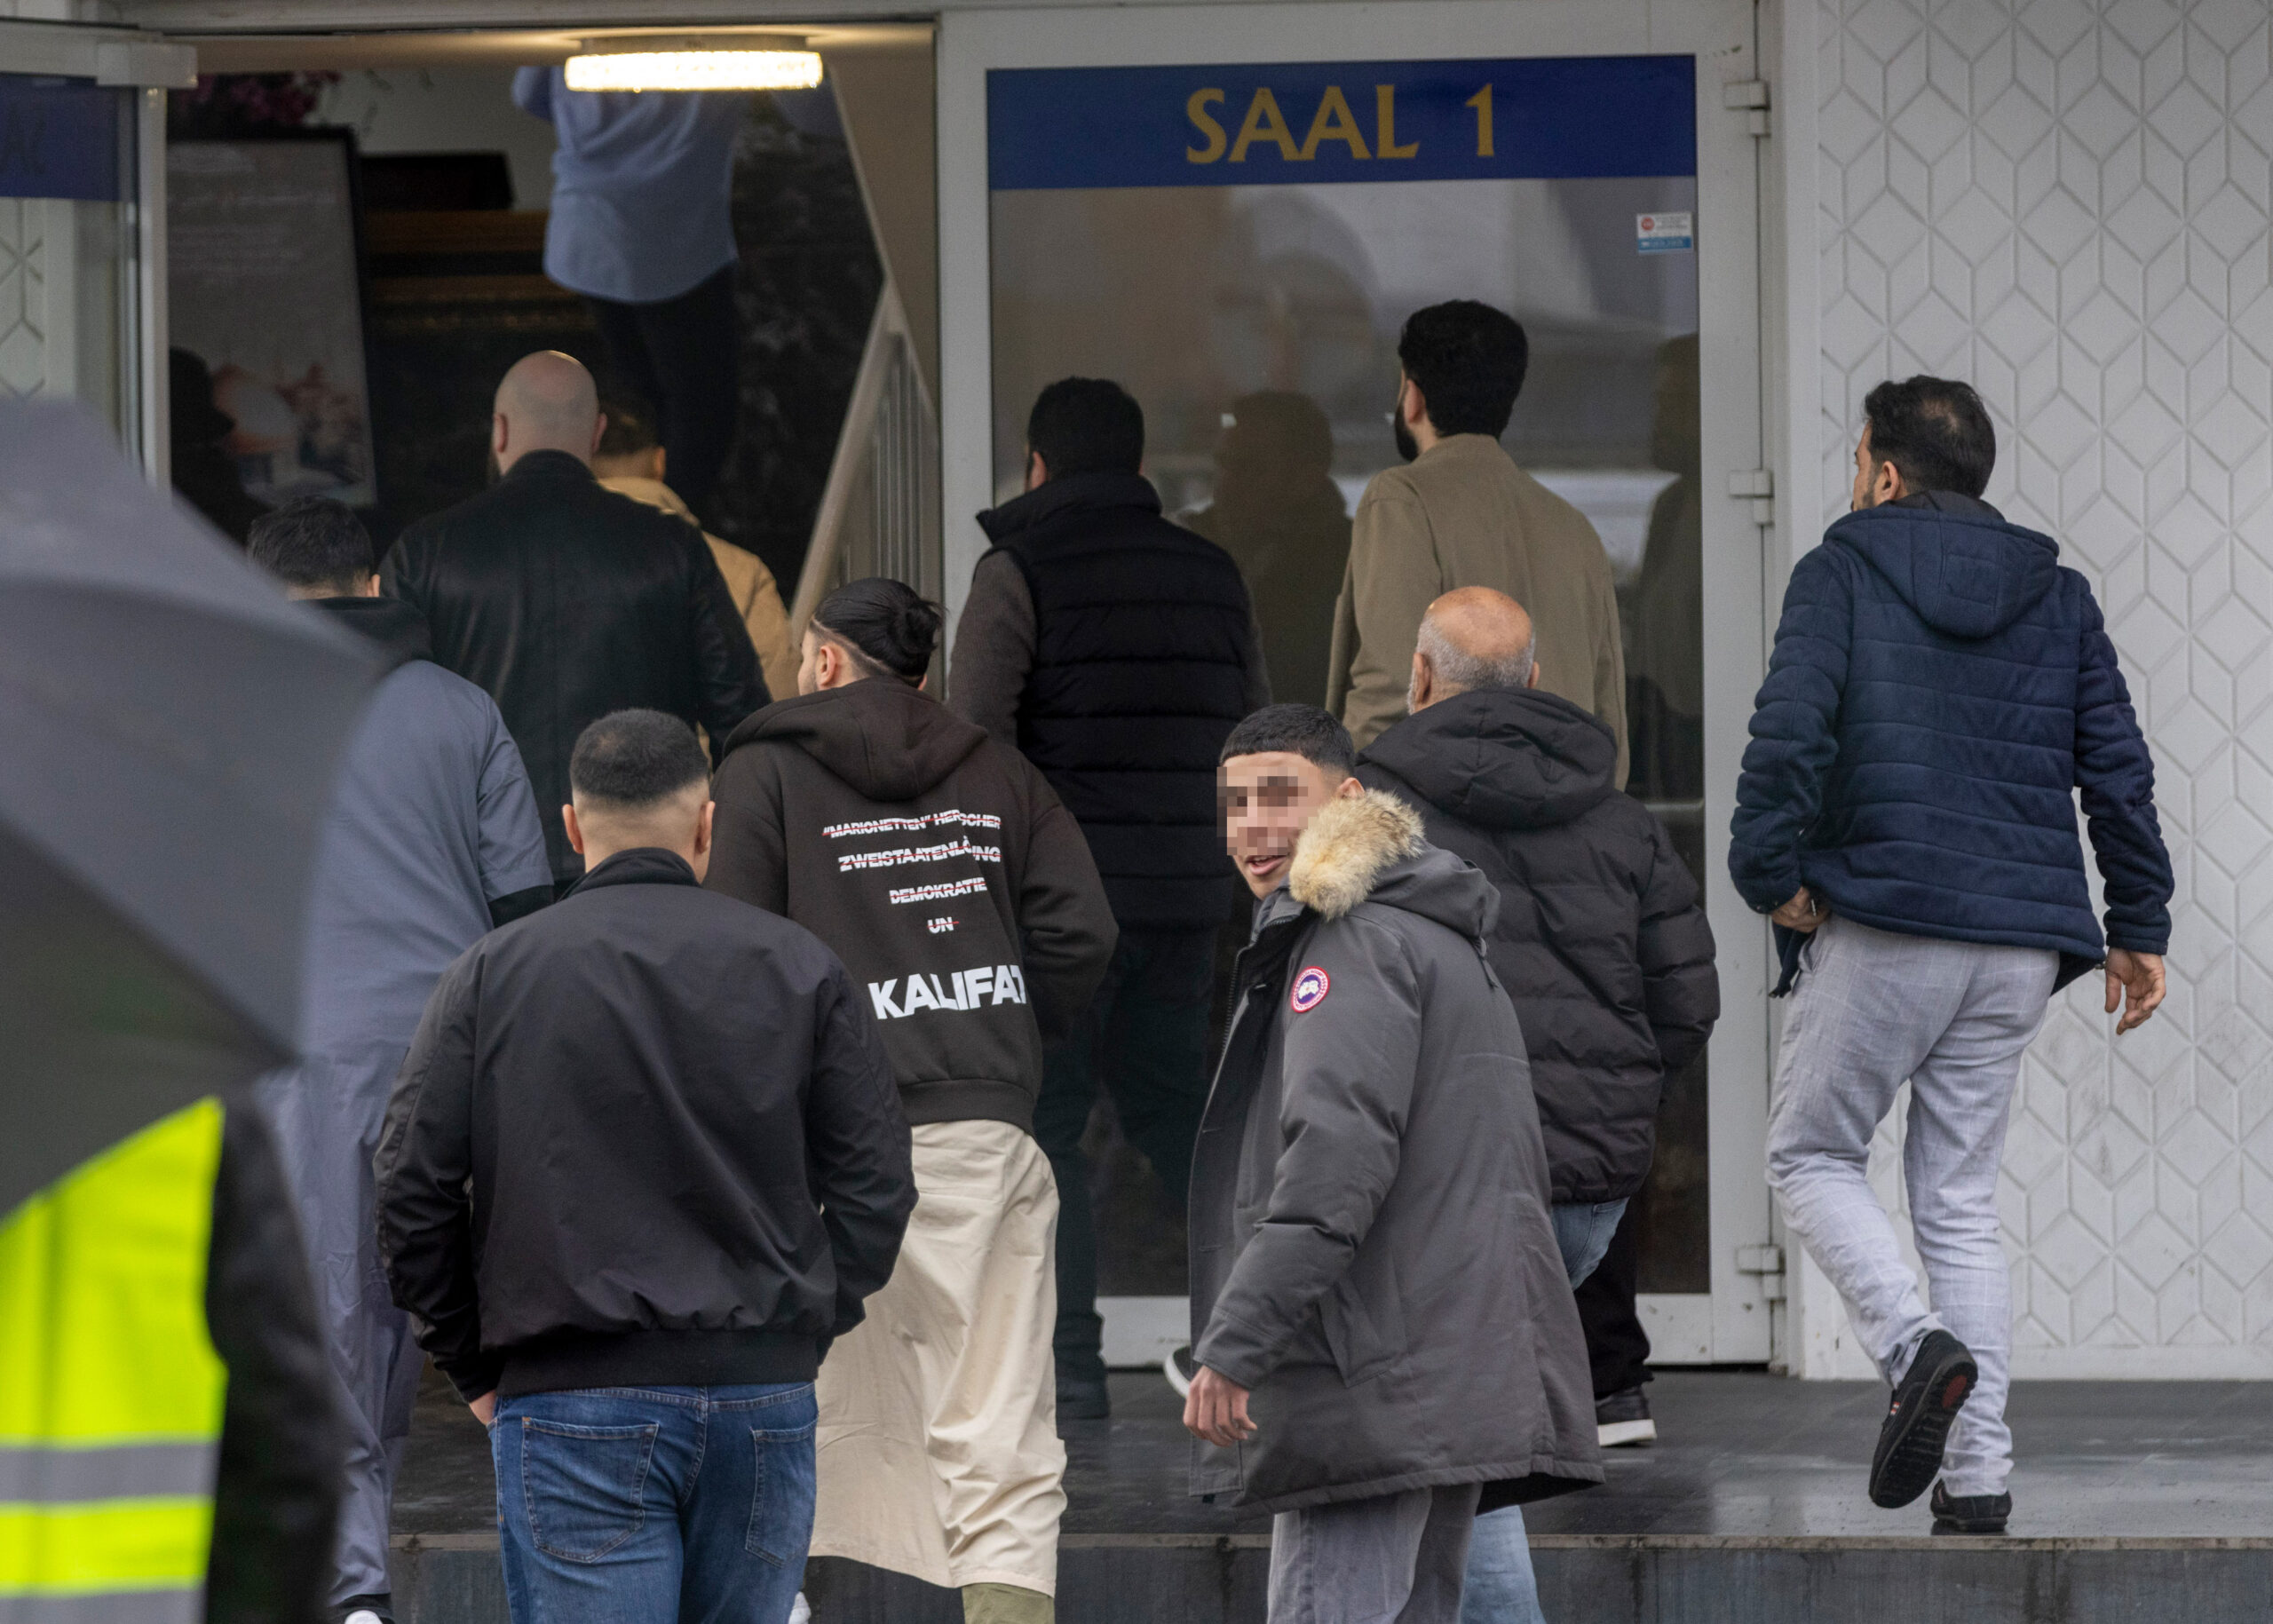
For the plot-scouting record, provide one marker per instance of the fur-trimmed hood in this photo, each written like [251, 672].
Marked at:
[1370, 849]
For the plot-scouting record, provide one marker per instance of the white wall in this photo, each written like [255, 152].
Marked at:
[446, 109]
[2066, 203]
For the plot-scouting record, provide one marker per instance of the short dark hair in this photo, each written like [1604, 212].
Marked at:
[1469, 360]
[1299, 730]
[1087, 425]
[890, 628]
[634, 759]
[629, 429]
[1935, 430]
[312, 542]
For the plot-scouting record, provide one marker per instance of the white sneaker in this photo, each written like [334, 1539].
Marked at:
[362, 1615]
[801, 1611]
[1179, 1369]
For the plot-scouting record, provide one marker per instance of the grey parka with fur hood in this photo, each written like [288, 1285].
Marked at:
[1370, 1252]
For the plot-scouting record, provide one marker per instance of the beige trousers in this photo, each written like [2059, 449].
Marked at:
[938, 1449]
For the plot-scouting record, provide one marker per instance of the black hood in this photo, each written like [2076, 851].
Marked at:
[1966, 569]
[394, 625]
[886, 739]
[1072, 493]
[1502, 758]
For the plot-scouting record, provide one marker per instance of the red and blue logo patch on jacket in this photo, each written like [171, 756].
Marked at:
[1309, 990]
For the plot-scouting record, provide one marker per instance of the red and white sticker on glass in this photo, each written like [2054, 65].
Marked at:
[1309, 990]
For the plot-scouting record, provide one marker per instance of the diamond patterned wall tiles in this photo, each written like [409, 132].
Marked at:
[2066, 202]
[23, 299]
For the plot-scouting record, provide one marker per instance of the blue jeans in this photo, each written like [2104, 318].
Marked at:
[662, 1505]
[1501, 1587]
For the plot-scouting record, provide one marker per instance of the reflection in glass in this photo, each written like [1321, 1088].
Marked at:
[1257, 326]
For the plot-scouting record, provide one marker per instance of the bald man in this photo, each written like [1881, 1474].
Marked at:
[566, 601]
[1601, 941]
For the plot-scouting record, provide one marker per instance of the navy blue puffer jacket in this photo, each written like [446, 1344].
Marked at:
[1940, 687]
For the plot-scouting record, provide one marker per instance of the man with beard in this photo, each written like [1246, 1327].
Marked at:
[1463, 514]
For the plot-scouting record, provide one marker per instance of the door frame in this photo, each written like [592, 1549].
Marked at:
[1732, 1323]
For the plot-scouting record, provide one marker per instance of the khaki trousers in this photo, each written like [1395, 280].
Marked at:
[938, 1448]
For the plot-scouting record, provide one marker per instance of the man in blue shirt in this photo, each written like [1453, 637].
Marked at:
[642, 226]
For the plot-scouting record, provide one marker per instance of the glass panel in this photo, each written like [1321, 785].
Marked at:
[1257, 326]
[66, 245]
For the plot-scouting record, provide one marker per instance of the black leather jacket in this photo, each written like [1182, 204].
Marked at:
[566, 601]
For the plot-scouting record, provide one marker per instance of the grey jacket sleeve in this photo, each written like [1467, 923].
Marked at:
[425, 1213]
[994, 649]
[516, 873]
[1349, 1064]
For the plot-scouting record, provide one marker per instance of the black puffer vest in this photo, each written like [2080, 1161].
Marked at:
[1141, 630]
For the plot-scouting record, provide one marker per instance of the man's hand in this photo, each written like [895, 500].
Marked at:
[1215, 1409]
[485, 1408]
[2135, 981]
[1803, 913]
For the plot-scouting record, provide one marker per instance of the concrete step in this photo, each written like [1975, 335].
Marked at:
[1583, 1578]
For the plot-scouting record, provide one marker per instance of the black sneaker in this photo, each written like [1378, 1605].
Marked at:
[1623, 1420]
[363, 1609]
[1179, 1368]
[1970, 1513]
[1080, 1400]
[1926, 1401]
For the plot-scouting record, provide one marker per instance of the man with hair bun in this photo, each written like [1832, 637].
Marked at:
[961, 895]
[628, 1214]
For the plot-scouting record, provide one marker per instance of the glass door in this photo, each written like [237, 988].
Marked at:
[1237, 238]
[68, 290]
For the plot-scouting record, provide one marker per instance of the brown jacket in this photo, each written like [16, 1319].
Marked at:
[748, 582]
[1463, 514]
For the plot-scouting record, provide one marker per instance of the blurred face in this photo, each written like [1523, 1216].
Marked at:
[1268, 800]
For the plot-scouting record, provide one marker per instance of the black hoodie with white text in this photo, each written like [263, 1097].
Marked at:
[940, 867]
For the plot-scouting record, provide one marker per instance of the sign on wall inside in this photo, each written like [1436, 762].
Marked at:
[60, 137]
[1291, 124]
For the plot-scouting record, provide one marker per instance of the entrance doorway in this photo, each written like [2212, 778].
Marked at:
[1170, 199]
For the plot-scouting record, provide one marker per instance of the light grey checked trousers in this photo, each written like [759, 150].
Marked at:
[1872, 1011]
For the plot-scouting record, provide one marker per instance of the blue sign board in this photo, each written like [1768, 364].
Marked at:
[1287, 124]
[59, 138]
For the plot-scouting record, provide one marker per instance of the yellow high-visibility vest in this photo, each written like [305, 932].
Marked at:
[110, 1391]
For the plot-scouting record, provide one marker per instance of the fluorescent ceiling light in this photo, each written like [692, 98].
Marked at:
[613, 67]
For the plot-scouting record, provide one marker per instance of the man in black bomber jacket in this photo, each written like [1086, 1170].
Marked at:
[648, 1140]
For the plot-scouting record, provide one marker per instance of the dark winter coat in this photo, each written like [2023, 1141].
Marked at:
[942, 871]
[1145, 658]
[1940, 689]
[283, 1441]
[566, 601]
[647, 1135]
[1371, 1251]
[1601, 940]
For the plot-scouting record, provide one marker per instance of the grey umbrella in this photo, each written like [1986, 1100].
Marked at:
[168, 729]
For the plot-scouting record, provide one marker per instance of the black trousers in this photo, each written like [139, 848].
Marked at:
[1145, 1040]
[684, 356]
[1617, 1346]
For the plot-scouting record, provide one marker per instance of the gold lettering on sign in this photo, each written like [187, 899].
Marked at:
[1195, 109]
[1264, 123]
[1342, 126]
[1482, 102]
[1385, 125]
